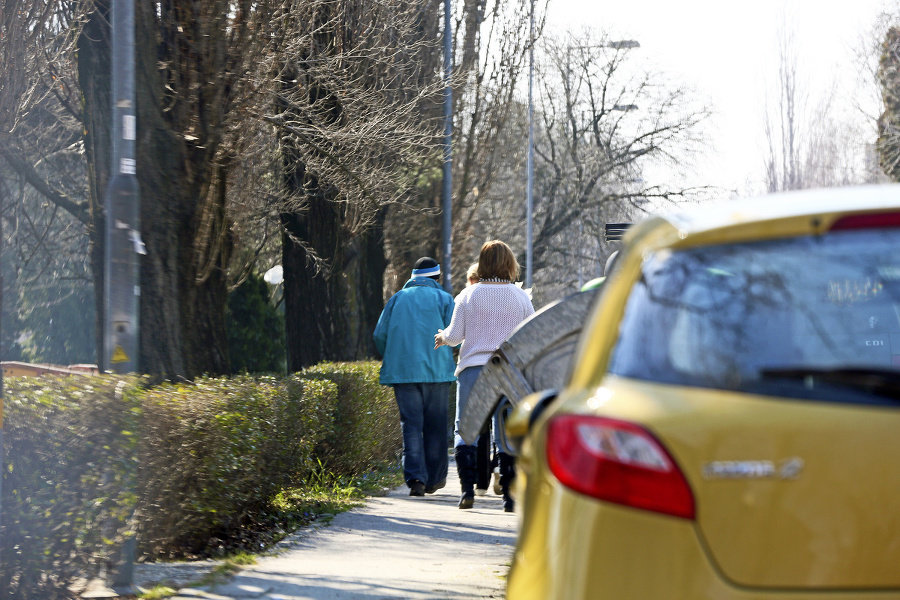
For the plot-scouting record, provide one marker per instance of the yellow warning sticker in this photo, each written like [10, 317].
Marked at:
[119, 355]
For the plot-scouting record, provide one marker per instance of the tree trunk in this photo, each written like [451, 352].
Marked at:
[315, 292]
[183, 276]
[94, 68]
[366, 273]
[330, 311]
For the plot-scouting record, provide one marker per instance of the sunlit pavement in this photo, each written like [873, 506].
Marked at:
[396, 546]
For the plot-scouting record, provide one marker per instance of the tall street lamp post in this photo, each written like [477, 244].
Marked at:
[529, 193]
[447, 203]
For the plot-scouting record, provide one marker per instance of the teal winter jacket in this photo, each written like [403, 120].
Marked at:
[404, 335]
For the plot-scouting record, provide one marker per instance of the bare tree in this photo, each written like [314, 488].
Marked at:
[602, 122]
[42, 161]
[319, 117]
[492, 41]
[783, 131]
[251, 115]
[889, 123]
[194, 63]
[809, 143]
[354, 112]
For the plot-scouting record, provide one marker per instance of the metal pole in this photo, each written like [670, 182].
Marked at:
[529, 201]
[123, 241]
[2, 450]
[447, 203]
[2, 456]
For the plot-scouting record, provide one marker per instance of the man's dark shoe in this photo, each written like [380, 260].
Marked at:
[509, 504]
[433, 488]
[416, 488]
[467, 500]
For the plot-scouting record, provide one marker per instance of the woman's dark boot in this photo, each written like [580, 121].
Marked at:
[507, 475]
[466, 467]
[484, 464]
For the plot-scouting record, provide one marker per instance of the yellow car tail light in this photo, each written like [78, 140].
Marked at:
[617, 461]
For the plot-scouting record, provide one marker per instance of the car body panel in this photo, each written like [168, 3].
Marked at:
[744, 455]
[828, 539]
[633, 555]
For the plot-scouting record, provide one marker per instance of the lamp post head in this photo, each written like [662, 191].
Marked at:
[622, 44]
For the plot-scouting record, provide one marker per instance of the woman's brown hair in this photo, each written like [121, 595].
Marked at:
[497, 261]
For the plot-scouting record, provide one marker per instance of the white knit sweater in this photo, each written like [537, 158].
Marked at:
[484, 316]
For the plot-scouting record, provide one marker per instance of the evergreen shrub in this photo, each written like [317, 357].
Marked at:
[255, 329]
[215, 453]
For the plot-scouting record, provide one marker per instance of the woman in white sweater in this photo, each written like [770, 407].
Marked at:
[484, 316]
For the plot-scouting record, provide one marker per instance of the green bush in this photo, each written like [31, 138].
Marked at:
[196, 469]
[68, 480]
[215, 454]
[366, 420]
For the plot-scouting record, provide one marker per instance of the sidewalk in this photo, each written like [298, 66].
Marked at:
[396, 547]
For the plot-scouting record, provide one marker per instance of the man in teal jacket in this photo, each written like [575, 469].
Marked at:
[420, 374]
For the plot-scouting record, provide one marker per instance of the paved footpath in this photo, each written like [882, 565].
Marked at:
[396, 547]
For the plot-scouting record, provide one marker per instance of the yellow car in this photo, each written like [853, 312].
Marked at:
[731, 426]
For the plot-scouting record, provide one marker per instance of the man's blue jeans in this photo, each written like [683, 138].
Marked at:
[423, 419]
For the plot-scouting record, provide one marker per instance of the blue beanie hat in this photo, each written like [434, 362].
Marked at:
[426, 267]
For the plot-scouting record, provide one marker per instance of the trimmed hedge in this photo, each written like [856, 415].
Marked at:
[68, 479]
[366, 420]
[193, 468]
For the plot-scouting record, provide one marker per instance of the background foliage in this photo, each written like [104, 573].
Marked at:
[255, 329]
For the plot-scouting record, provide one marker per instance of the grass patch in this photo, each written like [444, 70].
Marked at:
[325, 494]
[242, 559]
[382, 478]
[157, 592]
[322, 496]
[230, 565]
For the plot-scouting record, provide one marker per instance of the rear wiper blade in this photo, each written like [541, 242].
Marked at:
[881, 381]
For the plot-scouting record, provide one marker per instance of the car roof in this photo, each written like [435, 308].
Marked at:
[804, 211]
